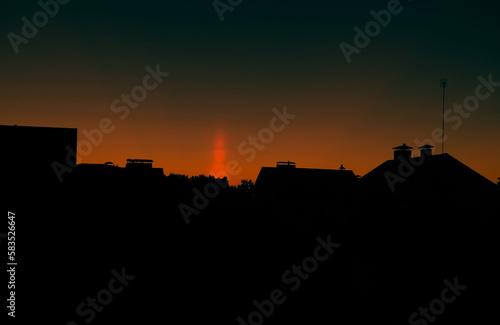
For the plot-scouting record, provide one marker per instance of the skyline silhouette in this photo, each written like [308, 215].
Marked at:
[231, 162]
[225, 78]
[244, 238]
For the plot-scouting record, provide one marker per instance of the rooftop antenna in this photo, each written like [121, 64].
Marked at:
[444, 84]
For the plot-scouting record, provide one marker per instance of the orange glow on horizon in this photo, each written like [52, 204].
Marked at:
[219, 153]
[360, 140]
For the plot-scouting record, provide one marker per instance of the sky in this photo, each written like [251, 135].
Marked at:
[228, 78]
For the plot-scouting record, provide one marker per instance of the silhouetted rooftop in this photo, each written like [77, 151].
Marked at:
[431, 176]
[302, 182]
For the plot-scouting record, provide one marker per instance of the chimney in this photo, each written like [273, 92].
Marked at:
[425, 150]
[404, 151]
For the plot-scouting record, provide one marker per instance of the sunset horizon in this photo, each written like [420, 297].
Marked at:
[249, 162]
[251, 170]
[177, 89]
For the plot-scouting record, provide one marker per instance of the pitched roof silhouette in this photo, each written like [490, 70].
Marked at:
[426, 178]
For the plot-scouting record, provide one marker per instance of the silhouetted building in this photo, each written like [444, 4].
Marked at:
[430, 179]
[143, 167]
[287, 181]
[136, 170]
[305, 197]
[28, 153]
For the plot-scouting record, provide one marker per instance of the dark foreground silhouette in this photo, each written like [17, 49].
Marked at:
[302, 245]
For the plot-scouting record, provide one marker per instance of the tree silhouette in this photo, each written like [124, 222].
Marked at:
[246, 186]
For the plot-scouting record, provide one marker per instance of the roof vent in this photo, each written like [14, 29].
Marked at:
[425, 150]
[285, 164]
[139, 163]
